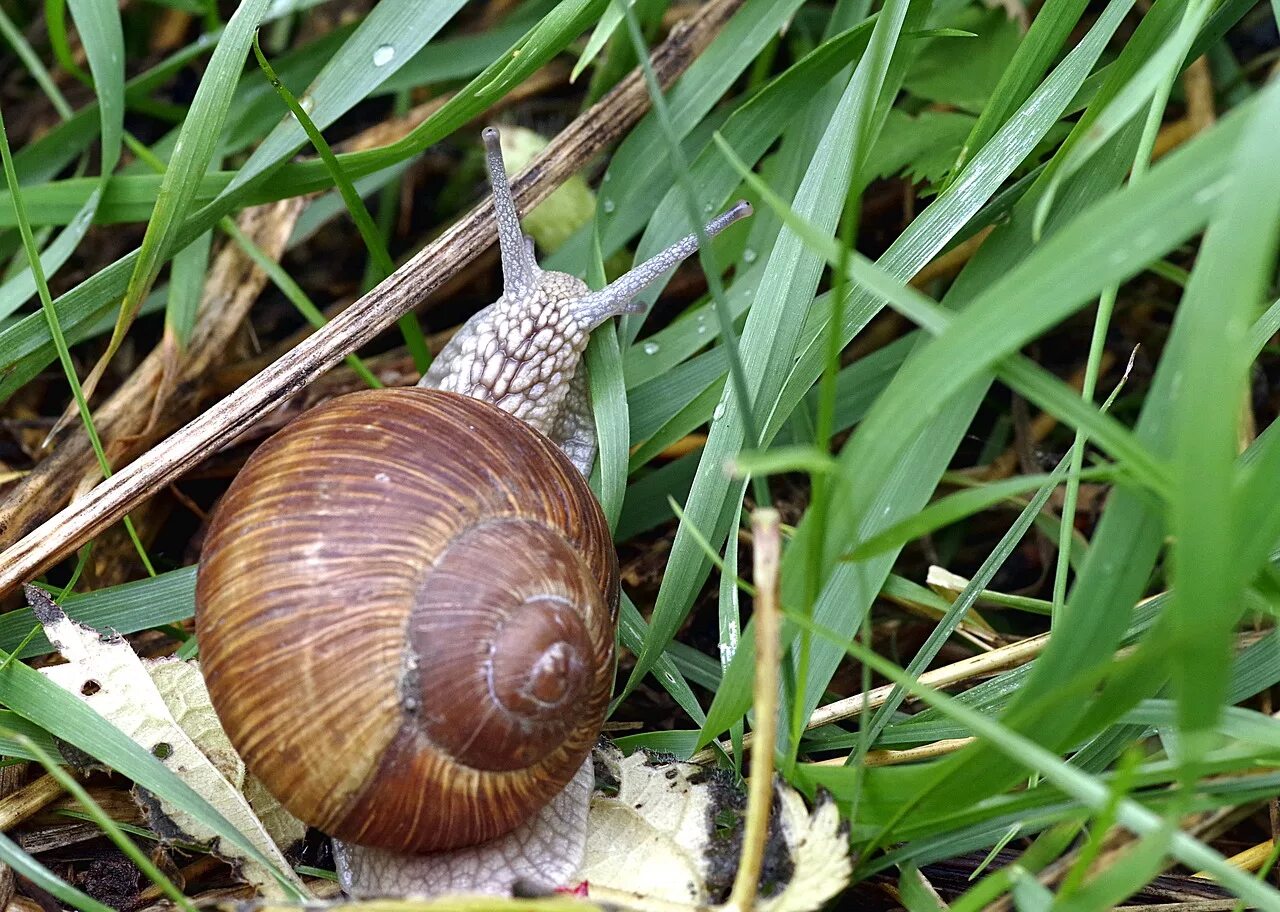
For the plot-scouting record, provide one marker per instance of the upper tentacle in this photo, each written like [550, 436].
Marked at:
[618, 296]
[519, 268]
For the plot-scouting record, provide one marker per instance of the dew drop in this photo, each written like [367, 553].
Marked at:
[719, 412]
[650, 348]
[383, 55]
[307, 103]
[702, 328]
[749, 255]
[608, 205]
[709, 207]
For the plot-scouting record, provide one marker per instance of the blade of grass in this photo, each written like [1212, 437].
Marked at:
[55, 330]
[609, 405]
[872, 76]
[162, 599]
[710, 267]
[193, 153]
[26, 347]
[573, 146]
[1235, 264]
[1084, 788]
[768, 344]
[98, 22]
[962, 505]
[22, 863]
[34, 697]
[107, 825]
[281, 279]
[380, 257]
[1049, 30]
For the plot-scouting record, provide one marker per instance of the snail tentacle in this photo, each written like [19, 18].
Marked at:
[519, 266]
[524, 352]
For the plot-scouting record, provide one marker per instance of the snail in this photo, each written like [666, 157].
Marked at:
[406, 600]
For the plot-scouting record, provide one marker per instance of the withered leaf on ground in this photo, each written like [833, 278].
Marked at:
[107, 674]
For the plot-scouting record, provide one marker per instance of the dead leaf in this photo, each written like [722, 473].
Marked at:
[182, 686]
[657, 833]
[106, 674]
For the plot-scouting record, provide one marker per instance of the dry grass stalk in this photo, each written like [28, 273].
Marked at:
[27, 801]
[767, 558]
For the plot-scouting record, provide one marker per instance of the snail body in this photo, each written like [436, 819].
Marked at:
[428, 620]
[406, 600]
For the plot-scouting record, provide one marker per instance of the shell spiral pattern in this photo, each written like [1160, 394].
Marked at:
[405, 609]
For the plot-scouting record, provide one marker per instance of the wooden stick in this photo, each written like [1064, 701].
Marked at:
[592, 131]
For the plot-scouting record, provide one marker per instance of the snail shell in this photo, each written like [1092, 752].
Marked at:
[405, 610]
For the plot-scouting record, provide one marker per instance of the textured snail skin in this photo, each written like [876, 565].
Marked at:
[405, 609]
[523, 352]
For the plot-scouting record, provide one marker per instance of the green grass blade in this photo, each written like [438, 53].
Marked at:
[392, 33]
[34, 697]
[95, 812]
[1235, 263]
[369, 233]
[98, 22]
[197, 142]
[769, 340]
[923, 238]
[1043, 41]
[163, 599]
[1081, 786]
[25, 348]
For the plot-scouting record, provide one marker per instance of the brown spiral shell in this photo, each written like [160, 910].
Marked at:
[405, 609]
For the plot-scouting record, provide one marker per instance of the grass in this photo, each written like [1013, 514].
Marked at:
[1078, 206]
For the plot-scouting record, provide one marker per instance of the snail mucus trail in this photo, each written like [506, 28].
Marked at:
[406, 600]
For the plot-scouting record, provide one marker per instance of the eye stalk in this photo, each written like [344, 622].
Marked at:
[618, 297]
[523, 353]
